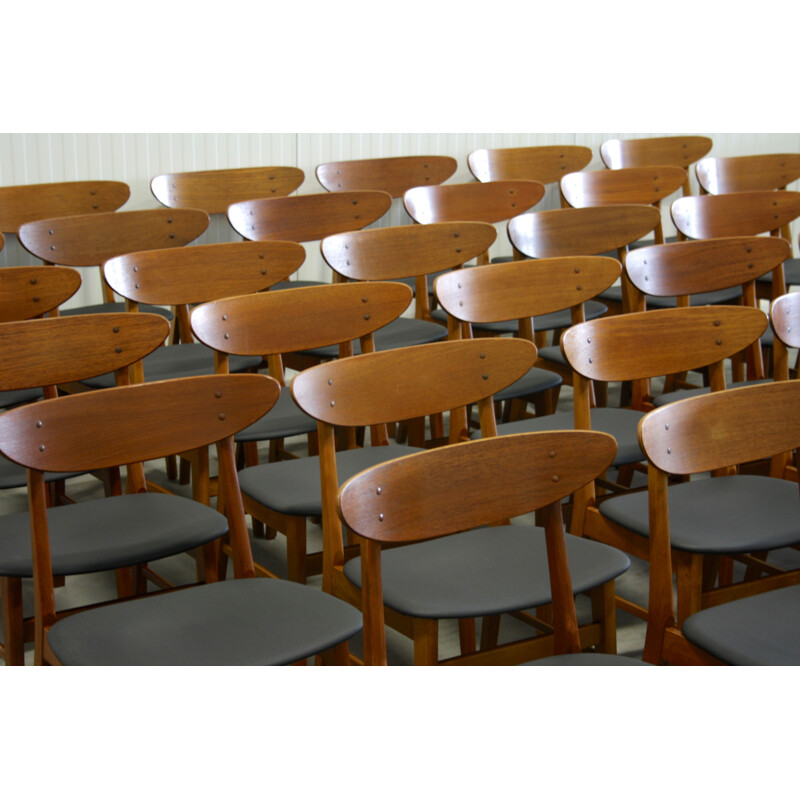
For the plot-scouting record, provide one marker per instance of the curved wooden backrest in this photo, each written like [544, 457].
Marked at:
[785, 319]
[406, 250]
[214, 190]
[479, 202]
[647, 344]
[704, 265]
[748, 173]
[21, 204]
[518, 289]
[134, 423]
[90, 239]
[580, 231]
[27, 292]
[205, 272]
[45, 352]
[546, 163]
[739, 214]
[298, 319]
[723, 429]
[409, 382]
[307, 218]
[395, 175]
[679, 151]
[466, 485]
[644, 185]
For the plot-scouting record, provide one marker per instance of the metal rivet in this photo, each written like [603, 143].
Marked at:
[330, 381]
[227, 336]
[138, 286]
[39, 424]
[222, 416]
[459, 285]
[750, 266]
[333, 403]
[355, 202]
[52, 247]
[95, 206]
[717, 323]
[577, 270]
[456, 235]
[461, 302]
[552, 454]
[357, 216]
[483, 355]
[347, 247]
[261, 255]
[41, 448]
[364, 300]
[458, 249]
[789, 329]
[366, 316]
[50, 231]
[169, 221]
[35, 299]
[117, 349]
[666, 427]
[378, 490]
[172, 236]
[719, 341]
[580, 287]
[224, 317]
[218, 395]
[646, 278]
[588, 341]
[34, 281]
[263, 272]
[115, 329]
[380, 517]
[485, 376]
[136, 269]
[590, 361]
[669, 450]
[556, 478]
[748, 249]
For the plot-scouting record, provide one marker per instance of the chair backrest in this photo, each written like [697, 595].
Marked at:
[215, 189]
[523, 289]
[307, 218]
[581, 231]
[28, 203]
[677, 151]
[784, 316]
[546, 164]
[57, 350]
[28, 292]
[479, 202]
[642, 185]
[395, 175]
[467, 485]
[748, 173]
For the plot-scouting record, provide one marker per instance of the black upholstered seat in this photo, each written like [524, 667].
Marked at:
[246, 622]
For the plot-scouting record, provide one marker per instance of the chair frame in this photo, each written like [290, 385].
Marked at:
[394, 174]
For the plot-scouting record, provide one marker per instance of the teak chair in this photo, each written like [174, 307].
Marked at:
[694, 270]
[214, 190]
[394, 175]
[482, 572]
[233, 622]
[740, 214]
[732, 516]
[183, 278]
[283, 494]
[88, 240]
[678, 151]
[546, 164]
[46, 353]
[415, 500]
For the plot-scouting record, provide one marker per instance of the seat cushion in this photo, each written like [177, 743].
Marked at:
[791, 273]
[98, 535]
[484, 571]
[401, 332]
[293, 487]
[719, 297]
[535, 380]
[587, 660]
[251, 622]
[731, 514]
[285, 418]
[557, 320]
[105, 308]
[682, 394]
[179, 361]
[13, 476]
[621, 423]
[15, 397]
[763, 630]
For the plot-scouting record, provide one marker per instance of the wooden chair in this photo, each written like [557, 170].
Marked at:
[482, 571]
[234, 622]
[678, 151]
[691, 272]
[283, 494]
[754, 173]
[739, 214]
[183, 278]
[394, 175]
[636, 347]
[732, 516]
[88, 240]
[214, 190]
[45, 353]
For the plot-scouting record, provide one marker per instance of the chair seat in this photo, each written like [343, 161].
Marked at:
[293, 487]
[251, 622]
[718, 515]
[682, 394]
[284, 419]
[104, 534]
[179, 361]
[763, 630]
[719, 297]
[791, 273]
[17, 396]
[294, 285]
[534, 381]
[621, 423]
[484, 571]
[401, 332]
[105, 308]
[587, 660]
[13, 476]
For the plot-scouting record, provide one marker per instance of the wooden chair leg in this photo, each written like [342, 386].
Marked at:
[426, 642]
[13, 621]
[296, 566]
[689, 569]
[466, 636]
[604, 610]
[490, 631]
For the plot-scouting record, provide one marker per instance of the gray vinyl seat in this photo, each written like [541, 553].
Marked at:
[718, 515]
[13, 476]
[16, 396]
[284, 419]
[491, 571]
[293, 487]
[245, 622]
[763, 630]
[682, 394]
[107, 308]
[722, 296]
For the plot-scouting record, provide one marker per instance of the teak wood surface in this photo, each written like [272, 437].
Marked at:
[680, 151]
[27, 292]
[747, 173]
[546, 164]
[637, 185]
[395, 175]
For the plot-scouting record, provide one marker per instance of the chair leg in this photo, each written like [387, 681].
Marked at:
[490, 631]
[426, 642]
[13, 621]
[297, 569]
[466, 636]
[604, 609]
[689, 569]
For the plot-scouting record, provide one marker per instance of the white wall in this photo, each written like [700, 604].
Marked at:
[136, 158]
